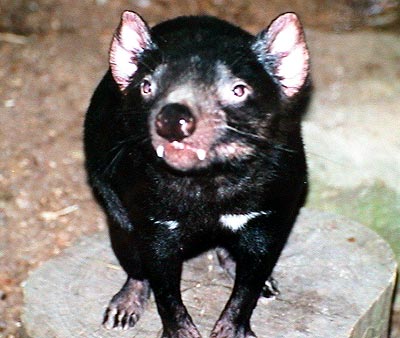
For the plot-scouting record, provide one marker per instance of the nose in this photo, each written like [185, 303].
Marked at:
[175, 122]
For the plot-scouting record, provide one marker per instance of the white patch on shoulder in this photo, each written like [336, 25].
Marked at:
[237, 222]
[170, 224]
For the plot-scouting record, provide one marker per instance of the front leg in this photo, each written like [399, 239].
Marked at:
[270, 288]
[128, 305]
[256, 251]
[177, 322]
[163, 261]
[234, 321]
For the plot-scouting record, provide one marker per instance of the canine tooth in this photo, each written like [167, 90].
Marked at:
[231, 149]
[201, 154]
[160, 151]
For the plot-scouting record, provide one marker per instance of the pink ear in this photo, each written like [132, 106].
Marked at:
[286, 46]
[131, 38]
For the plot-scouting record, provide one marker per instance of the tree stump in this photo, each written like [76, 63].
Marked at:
[335, 277]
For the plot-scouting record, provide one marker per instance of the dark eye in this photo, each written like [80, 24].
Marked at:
[240, 90]
[145, 87]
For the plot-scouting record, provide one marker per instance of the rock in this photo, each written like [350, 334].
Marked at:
[351, 132]
[336, 280]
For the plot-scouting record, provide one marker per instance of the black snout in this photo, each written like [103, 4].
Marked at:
[174, 122]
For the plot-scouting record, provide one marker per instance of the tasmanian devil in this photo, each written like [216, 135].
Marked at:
[192, 142]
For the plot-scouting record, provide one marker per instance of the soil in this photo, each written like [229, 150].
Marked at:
[53, 54]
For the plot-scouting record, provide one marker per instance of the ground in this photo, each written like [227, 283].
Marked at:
[53, 53]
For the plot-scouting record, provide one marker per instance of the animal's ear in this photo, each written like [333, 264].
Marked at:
[130, 39]
[282, 50]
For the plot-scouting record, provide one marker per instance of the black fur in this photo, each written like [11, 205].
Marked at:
[139, 191]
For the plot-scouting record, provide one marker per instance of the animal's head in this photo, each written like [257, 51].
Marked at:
[208, 90]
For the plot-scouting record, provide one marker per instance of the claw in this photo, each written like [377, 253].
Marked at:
[127, 305]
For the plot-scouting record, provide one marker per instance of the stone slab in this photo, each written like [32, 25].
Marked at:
[336, 279]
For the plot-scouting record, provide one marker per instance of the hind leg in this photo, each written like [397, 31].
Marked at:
[129, 303]
[227, 262]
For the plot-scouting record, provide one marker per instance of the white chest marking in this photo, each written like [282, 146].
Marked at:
[237, 222]
[170, 224]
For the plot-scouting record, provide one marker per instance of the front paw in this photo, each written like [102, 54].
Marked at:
[226, 329]
[127, 305]
[187, 332]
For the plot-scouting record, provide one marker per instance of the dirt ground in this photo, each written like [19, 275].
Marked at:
[52, 55]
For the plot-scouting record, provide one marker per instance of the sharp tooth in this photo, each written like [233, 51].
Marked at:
[231, 149]
[160, 151]
[178, 145]
[201, 154]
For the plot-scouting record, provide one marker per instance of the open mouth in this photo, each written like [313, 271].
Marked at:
[185, 156]
[182, 155]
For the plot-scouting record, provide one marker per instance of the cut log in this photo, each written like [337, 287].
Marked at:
[336, 280]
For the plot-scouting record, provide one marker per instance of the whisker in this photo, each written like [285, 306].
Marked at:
[277, 146]
[241, 132]
[126, 141]
[282, 147]
[117, 152]
[109, 168]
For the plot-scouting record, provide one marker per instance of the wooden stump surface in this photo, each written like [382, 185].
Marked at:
[336, 280]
